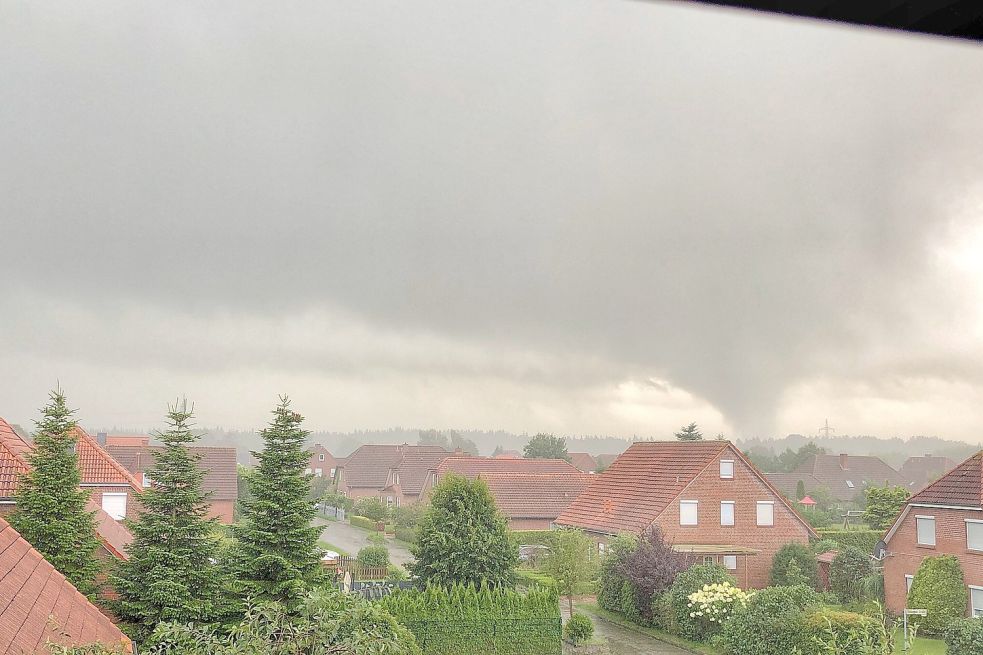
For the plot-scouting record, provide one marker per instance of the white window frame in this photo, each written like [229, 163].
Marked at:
[908, 579]
[977, 526]
[695, 504]
[117, 495]
[728, 560]
[918, 532]
[601, 549]
[723, 476]
[850, 484]
[765, 503]
[975, 596]
[709, 559]
[733, 513]
[319, 472]
[147, 481]
[320, 457]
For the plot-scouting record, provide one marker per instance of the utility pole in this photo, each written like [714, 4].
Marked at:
[826, 430]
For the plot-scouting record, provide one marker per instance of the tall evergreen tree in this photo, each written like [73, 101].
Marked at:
[276, 552]
[171, 574]
[50, 503]
[689, 433]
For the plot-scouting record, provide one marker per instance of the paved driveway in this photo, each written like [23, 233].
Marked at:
[623, 641]
[351, 540]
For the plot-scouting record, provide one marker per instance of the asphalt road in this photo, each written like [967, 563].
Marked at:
[622, 641]
[351, 540]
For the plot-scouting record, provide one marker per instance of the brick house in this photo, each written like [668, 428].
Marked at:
[532, 501]
[944, 518]
[39, 605]
[471, 466]
[218, 464]
[845, 476]
[322, 462]
[584, 462]
[393, 473]
[921, 471]
[705, 496]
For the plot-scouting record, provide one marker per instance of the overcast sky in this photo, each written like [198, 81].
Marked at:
[572, 216]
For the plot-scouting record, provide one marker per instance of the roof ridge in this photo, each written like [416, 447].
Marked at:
[82, 434]
[977, 455]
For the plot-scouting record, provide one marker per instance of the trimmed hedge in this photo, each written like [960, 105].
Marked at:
[365, 523]
[526, 579]
[938, 587]
[965, 637]
[865, 540]
[406, 534]
[486, 621]
[533, 537]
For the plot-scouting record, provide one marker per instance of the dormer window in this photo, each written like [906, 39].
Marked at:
[849, 483]
[726, 469]
[320, 457]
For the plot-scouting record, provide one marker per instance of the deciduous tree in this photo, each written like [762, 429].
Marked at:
[546, 446]
[883, 505]
[568, 562]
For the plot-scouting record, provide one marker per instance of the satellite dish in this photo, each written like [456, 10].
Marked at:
[880, 550]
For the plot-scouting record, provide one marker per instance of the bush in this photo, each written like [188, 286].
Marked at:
[578, 629]
[938, 587]
[373, 556]
[612, 578]
[372, 508]
[652, 568]
[528, 579]
[465, 620]
[533, 537]
[628, 604]
[662, 617]
[965, 637]
[847, 573]
[835, 631]
[690, 581]
[376, 539]
[363, 522]
[794, 564]
[771, 623]
[405, 534]
[712, 605]
[865, 540]
[408, 516]
[396, 573]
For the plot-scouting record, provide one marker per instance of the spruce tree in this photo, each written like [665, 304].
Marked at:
[689, 433]
[50, 508]
[171, 574]
[276, 552]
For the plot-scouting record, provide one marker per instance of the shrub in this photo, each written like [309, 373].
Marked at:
[467, 620]
[408, 516]
[965, 637]
[794, 564]
[883, 505]
[628, 604]
[578, 629]
[771, 623]
[363, 522]
[847, 573]
[652, 568]
[528, 579]
[405, 534]
[835, 632]
[612, 579]
[938, 587]
[396, 573]
[714, 604]
[376, 539]
[690, 581]
[373, 556]
[865, 540]
[371, 508]
[533, 537]
[661, 612]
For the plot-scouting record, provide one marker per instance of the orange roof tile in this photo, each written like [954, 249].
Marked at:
[472, 466]
[583, 461]
[38, 605]
[218, 464]
[98, 466]
[961, 487]
[535, 495]
[13, 459]
[112, 533]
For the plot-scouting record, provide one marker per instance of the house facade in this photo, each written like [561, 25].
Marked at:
[322, 463]
[471, 466]
[945, 518]
[923, 470]
[393, 473]
[706, 497]
[844, 476]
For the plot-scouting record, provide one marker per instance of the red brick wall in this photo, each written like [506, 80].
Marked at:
[132, 506]
[530, 524]
[223, 510]
[745, 490]
[905, 555]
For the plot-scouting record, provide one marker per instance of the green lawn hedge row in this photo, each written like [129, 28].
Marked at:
[865, 540]
[362, 522]
[526, 579]
[483, 621]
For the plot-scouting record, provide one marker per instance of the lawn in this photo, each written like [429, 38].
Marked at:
[328, 546]
[922, 645]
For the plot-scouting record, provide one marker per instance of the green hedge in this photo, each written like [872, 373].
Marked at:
[851, 632]
[362, 522]
[406, 534]
[772, 623]
[533, 537]
[965, 637]
[469, 621]
[527, 579]
[939, 588]
[865, 540]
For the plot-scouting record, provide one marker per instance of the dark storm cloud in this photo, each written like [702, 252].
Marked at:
[729, 202]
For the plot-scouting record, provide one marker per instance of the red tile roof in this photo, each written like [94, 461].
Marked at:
[639, 485]
[829, 471]
[535, 495]
[127, 440]
[219, 465]
[13, 459]
[98, 466]
[369, 466]
[961, 487]
[583, 461]
[112, 533]
[38, 605]
[471, 466]
[919, 471]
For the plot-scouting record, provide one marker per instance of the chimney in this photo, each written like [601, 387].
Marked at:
[844, 461]
[458, 451]
[101, 439]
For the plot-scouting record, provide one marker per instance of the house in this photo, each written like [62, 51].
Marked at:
[113, 489]
[705, 496]
[845, 476]
[921, 471]
[218, 463]
[124, 439]
[532, 501]
[508, 454]
[605, 460]
[322, 462]
[471, 466]
[944, 518]
[393, 473]
[584, 462]
[39, 605]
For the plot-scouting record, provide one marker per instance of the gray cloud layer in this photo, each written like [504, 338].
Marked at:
[732, 203]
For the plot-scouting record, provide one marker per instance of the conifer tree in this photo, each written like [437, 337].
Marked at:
[50, 504]
[171, 574]
[276, 552]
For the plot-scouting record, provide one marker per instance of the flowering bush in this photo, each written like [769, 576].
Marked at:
[714, 603]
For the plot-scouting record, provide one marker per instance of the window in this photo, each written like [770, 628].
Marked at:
[849, 483]
[908, 579]
[976, 600]
[601, 548]
[389, 501]
[687, 512]
[307, 471]
[766, 512]
[708, 559]
[114, 504]
[974, 534]
[320, 457]
[726, 512]
[726, 469]
[925, 529]
[331, 473]
[395, 478]
[730, 562]
[146, 481]
[319, 472]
